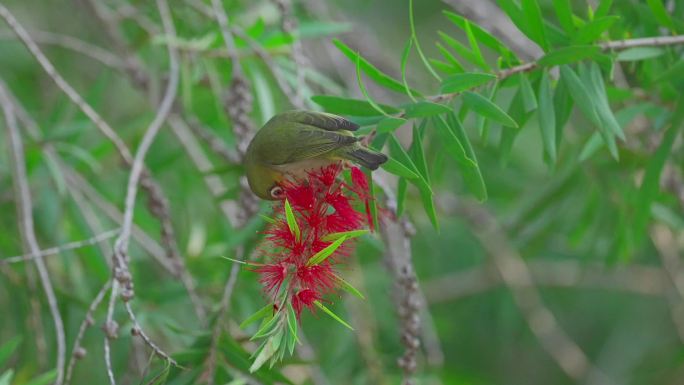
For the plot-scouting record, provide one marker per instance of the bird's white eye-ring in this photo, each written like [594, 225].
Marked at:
[277, 192]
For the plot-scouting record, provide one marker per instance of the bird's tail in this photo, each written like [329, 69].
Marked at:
[366, 157]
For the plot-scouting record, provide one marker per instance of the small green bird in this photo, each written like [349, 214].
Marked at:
[294, 142]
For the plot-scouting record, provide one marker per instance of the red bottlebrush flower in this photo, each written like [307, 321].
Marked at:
[305, 297]
[320, 276]
[360, 183]
[322, 204]
[300, 196]
[362, 189]
[272, 277]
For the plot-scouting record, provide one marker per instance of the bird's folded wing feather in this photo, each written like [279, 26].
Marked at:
[316, 142]
[322, 120]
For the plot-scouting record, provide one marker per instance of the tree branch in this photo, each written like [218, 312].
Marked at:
[27, 230]
[121, 271]
[60, 249]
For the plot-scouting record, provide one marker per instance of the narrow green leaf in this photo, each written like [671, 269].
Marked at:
[591, 146]
[401, 155]
[259, 314]
[416, 151]
[331, 314]
[292, 221]
[8, 348]
[325, 253]
[564, 14]
[372, 71]
[593, 80]
[517, 16]
[418, 157]
[267, 219]
[529, 99]
[347, 106]
[414, 36]
[587, 102]
[480, 34]
[451, 59]
[455, 141]
[348, 287]
[475, 46]
[562, 106]
[445, 67]
[404, 60]
[365, 92]
[462, 50]
[675, 71]
[547, 118]
[487, 108]
[593, 30]
[425, 108]
[267, 327]
[650, 186]
[603, 8]
[388, 125]
[639, 53]
[348, 234]
[535, 22]
[393, 166]
[427, 198]
[269, 349]
[402, 186]
[570, 54]
[660, 13]
[292, 321]
[465, 81]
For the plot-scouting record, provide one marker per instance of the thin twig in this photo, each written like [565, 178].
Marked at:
[157, 201]
[27, 230]
[78, 352]
[266, 57]
[60, 249]
[289, 26]
[111, 330]
[71, 93]
[74, 44]
[121, 270]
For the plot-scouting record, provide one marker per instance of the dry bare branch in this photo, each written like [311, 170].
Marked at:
[121, 271]
[27, 229]
[78, 352]
[74, 44]
[60, 249]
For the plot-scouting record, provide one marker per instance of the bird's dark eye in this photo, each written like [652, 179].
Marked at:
[277, 192]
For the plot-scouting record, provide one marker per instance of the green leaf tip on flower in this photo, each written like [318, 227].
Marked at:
[292, 221]
[348, 287]
[325, 253]
[333, 315]
[259, 314]
[349, 234]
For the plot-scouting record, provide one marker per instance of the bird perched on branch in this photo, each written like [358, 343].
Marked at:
[295, 142]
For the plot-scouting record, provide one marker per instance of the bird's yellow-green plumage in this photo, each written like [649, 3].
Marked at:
[294, 142]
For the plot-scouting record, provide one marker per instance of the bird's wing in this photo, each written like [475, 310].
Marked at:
[314, 142]
[322, 120]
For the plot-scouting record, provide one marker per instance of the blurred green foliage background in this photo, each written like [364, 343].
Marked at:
[601, 238]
